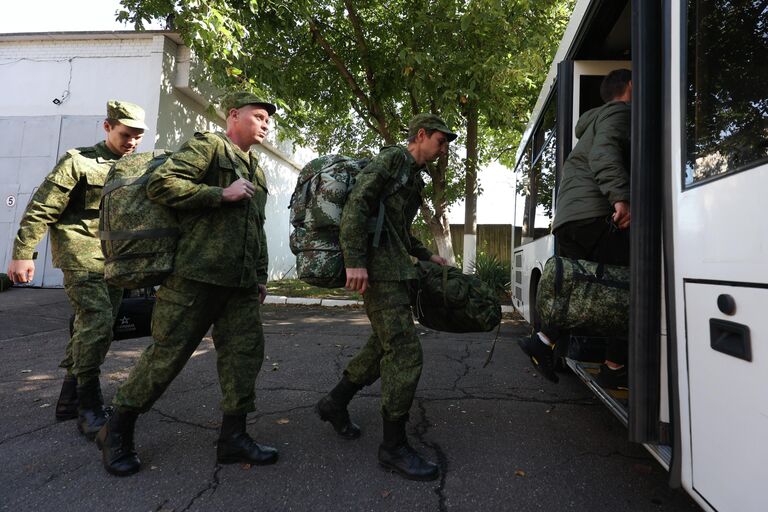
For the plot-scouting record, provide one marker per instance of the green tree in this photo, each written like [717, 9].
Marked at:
[350, 74]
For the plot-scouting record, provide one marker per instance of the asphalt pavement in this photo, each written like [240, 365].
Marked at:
[505, 439]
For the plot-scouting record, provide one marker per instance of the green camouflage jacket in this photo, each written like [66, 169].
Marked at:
[67, 203]
[596, 172]
[221, 243]
[394, 169]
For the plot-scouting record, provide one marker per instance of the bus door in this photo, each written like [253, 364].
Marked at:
[719, 177]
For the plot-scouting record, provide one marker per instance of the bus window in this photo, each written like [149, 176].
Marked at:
[537, 166]
[727, 98]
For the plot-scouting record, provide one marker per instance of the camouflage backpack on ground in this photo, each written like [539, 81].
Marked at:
[584, 295]
[138, 236]
[451, 301]
[316, 205]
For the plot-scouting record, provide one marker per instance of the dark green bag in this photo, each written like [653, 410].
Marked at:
[584, 295]
[5, 282]
[451, 301]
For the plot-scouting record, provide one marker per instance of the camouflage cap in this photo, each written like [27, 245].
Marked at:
[241, 98]
[430, 122]
[129, 114]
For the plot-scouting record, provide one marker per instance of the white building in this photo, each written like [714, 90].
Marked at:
[53, 93]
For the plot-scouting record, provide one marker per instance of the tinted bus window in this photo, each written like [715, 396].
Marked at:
[727, 95]
[537, 167]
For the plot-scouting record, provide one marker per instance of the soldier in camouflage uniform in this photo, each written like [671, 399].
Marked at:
[220, 272]
[593, 214]
[384, 274]
[67, 204]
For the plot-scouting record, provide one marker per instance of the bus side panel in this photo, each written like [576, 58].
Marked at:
[527, 263]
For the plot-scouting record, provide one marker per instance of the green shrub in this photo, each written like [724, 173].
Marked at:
[493, 272]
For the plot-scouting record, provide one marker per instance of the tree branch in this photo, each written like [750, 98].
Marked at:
[372, 106]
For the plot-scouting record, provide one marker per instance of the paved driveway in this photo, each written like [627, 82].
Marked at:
[505, 438]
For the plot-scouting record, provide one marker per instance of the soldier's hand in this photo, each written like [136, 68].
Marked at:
[621, 214]
[21, 271]
[436, 258]
[357, 279]
[237, 191]
[262, 293]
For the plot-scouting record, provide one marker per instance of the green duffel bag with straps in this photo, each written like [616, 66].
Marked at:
[585, 295]
[448, 300]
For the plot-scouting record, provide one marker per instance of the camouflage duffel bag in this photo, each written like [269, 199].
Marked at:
[451, 301]
[584, 295]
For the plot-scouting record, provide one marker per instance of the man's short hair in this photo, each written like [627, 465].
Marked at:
[427, 131]
[614, 84]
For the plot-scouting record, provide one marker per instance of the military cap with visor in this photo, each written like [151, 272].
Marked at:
[430, 122]
[242, 98]
[128, 114]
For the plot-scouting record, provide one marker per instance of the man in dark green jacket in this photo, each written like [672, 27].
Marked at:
[67, 205]
[220, 272]
[592, 217]
[383, 271]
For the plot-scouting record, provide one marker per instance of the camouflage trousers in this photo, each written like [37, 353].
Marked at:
[183, 313]
[95, 304]
[393, 351]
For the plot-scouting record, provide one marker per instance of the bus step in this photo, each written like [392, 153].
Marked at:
[615, 400]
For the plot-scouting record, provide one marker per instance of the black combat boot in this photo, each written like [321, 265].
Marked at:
[66, 407]
[396, 455]
[91, 413]
[236, 446]
[333, 408]
[115, 440]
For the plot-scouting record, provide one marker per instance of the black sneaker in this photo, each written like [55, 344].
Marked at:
[541, 355]
[608, 378]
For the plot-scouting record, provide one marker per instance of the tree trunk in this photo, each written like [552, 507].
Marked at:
[441, 231]
[438, 220]
[470, 200]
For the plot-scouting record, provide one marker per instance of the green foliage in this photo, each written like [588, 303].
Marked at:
[493, 272]
[349, 74]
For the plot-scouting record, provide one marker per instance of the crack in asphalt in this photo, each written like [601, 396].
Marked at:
[169, 418]
[162, 505]
[420, 431]
[462, 361]
[514, 398]
[611, 454]
[36, 333]
[22, 434]
[212, 486]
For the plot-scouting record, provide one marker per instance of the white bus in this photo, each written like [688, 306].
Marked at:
[698, 334]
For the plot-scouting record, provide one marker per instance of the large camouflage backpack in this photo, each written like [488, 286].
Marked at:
[584, 295]
[451, 301]
[138, 236]
[316, 205]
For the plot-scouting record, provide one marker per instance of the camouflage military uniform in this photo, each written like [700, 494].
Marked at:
[393, 351]
[220, 261]
[67, 203]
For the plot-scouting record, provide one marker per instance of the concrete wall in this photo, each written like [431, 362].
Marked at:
[82, 71]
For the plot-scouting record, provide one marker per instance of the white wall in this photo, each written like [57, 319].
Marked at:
[92, 71]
